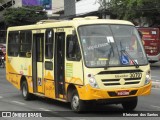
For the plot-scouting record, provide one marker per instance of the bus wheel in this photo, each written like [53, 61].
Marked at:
[131, 104]
[77, 105]
[26, 95]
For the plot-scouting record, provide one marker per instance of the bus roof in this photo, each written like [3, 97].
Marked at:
[65, 23]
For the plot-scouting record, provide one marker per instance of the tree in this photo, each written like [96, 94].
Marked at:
[131, 9]
[1, 1]
[24, 15]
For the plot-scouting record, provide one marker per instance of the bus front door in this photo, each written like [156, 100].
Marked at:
[37, 62]
[59, 65]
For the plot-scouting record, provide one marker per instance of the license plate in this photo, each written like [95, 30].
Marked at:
[123, 93]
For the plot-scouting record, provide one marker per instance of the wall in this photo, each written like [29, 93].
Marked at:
[69, 7]
[86, 6]
[57, 5]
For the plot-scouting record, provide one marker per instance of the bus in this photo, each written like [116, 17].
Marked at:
[151, 38]
[79, 61]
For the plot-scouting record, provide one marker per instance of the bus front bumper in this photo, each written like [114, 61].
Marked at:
[89, 93]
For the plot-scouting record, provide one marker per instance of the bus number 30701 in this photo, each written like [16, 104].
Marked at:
[135, 75]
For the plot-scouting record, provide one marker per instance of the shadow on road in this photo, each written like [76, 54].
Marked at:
[92, 110]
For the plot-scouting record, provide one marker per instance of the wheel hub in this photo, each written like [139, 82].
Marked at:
[24, 91]
[75, 102]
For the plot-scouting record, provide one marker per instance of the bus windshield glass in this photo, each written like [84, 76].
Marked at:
[107, 45]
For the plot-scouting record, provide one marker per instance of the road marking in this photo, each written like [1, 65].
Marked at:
[1, 97]
[44, 109]
[155, 106]
[18, 102]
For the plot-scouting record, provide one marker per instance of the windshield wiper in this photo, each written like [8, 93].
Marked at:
[123, 51]
[111, 50]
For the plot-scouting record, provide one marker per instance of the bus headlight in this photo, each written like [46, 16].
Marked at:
[92, 81]
[148, 78]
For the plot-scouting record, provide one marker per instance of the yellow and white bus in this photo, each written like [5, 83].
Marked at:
[78, 61]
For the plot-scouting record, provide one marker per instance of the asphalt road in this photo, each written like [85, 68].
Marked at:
[11, 100]
[155, 70]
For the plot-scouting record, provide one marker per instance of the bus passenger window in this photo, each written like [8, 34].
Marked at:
[25, 44]
[49, 44]
[13, 43]
[73, 49]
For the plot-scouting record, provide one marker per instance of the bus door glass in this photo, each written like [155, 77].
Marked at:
[59, 64]
[37, 62]
[49, 64]
[74, 64]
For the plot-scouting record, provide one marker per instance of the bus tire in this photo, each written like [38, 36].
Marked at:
[131, 104]
[25, 92]
[77, 105]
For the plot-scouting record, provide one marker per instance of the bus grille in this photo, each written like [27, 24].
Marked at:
[119, 72]
[127, 81]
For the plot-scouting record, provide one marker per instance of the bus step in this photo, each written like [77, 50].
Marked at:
[39, 94]
[63, 100]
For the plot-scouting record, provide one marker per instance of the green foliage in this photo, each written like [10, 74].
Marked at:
[1, 1]
[130, 9]
[24, 15]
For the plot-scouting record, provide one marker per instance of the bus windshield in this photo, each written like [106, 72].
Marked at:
[107, 45]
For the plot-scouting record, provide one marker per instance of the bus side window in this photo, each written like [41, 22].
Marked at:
[25, 43]
[73, 49]
[13, 43]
